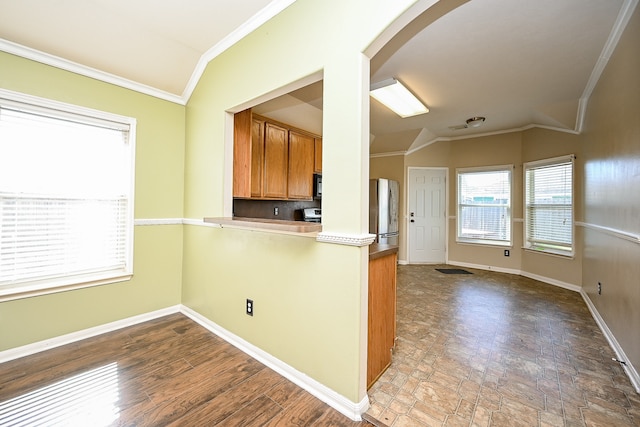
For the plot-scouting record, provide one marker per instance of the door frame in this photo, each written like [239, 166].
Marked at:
[407, 210]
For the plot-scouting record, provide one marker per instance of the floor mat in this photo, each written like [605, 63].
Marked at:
[453, 271]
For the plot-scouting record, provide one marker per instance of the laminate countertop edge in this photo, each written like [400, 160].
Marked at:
[302, 228]
[378, 251]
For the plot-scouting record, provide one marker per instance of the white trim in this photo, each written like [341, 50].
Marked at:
[480, 135]
[609, 47]
[550, 281]
[83, 70]
[174, 221]
[390, 154]
[199, 223]
[29, 349]
[340, 403]
[629, 369]
[484, 267]
[633, 238]
[543, 279]
[158, 221]
[346, 239]
[264, 15]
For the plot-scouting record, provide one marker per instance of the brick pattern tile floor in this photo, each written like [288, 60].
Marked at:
[494, 349]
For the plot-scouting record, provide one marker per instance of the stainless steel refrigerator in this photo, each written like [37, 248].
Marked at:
[384, 195]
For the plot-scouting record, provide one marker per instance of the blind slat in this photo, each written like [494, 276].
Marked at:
[65, 180]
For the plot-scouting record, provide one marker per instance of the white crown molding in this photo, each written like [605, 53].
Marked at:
[340, 403]
[55, 61]
[480, 135]
[268, 12]
[612, 41]
[346, 239]
[26, 350]
[389, 154]
[621, 22]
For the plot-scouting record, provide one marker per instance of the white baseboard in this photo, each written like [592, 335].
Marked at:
[340, 403]
[26, 350]
[630, 370]
[484, 267]
[560, 284]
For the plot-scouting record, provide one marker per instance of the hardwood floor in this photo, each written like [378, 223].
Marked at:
[166, 372]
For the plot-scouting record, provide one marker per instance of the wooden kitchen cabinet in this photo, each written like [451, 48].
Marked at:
[382, 311]
[257, 157]
[317, 162]
[242, 154]
[276, 158]
[272, 160]
[301, 164]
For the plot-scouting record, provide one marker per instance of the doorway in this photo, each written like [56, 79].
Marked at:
[427, 226]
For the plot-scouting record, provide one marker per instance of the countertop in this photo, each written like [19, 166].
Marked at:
[378, 251]
[294, 227]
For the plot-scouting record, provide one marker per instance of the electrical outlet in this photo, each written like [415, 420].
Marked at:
[507, 252]
[599, 288]
[276, 211]
[249, 307]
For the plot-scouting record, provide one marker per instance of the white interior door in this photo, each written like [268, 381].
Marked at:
[427, 215]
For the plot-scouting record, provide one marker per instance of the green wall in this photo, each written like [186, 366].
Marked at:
[158, 194]
[310, 297]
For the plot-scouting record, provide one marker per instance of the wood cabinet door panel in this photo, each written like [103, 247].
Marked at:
[317, 164]
[301, 162]
[382, 315]
[242, 154]
[257, 157]
[276, 155]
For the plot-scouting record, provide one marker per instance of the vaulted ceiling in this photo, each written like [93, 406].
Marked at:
[519, 63]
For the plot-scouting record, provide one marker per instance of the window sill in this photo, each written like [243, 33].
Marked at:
[485, 243]
[558, 254]
[51, 287]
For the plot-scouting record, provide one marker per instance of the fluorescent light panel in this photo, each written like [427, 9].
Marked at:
[398, 98]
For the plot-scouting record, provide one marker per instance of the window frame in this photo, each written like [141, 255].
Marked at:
[549, 248]
[459, 206]
[38, 105]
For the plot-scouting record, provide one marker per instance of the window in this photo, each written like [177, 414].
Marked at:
[66, 196]
[484, 205]
[549, 205]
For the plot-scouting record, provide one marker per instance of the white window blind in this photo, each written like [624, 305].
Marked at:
[549, 205]
[66, 177]
[484, 205]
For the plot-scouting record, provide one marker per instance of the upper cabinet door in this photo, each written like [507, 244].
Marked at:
[276, 154]
[257, 157]
[242, 142]
[317, 168]
[301, 165]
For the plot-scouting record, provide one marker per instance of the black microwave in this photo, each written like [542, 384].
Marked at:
[317, 186]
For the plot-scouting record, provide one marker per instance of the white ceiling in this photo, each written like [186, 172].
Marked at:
[157, 43]
[519, 63]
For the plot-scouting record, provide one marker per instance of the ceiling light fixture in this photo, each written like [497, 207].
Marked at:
[398, 98]
[475, 122]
